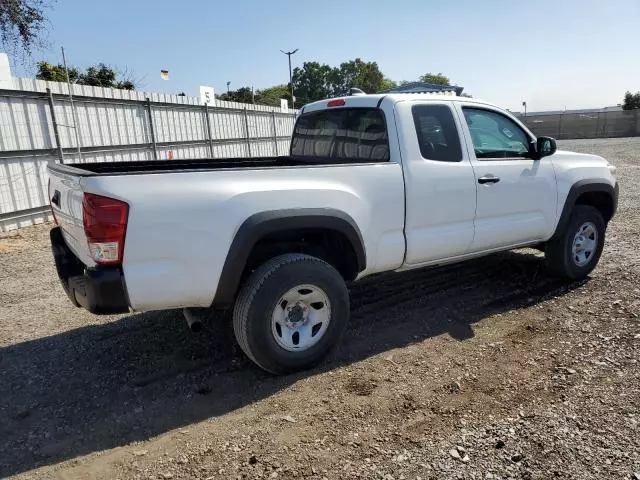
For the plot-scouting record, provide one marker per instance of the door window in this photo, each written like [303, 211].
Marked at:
[437, 133]
[495, 135]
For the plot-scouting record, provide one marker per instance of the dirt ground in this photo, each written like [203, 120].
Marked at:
[483, 370]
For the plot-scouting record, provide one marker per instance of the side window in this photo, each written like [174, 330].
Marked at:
[494, 135]
[437, 133]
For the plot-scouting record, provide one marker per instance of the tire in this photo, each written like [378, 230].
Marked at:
[262, 316]
[561, 260]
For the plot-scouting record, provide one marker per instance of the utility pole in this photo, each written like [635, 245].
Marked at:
[228, 83]
[293, 99]
[524, 104]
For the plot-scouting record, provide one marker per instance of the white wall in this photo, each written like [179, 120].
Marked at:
[114, 126]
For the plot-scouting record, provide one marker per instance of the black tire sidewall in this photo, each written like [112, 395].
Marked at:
[580, 215]
[260, 340]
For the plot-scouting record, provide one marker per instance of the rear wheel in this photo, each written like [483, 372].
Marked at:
[290, 313]
[576, 252]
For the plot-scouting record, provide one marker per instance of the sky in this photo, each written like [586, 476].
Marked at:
[553, 54]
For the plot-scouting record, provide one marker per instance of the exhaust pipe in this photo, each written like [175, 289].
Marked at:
[193, 319]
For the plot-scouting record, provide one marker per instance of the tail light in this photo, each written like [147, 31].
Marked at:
[105, 225]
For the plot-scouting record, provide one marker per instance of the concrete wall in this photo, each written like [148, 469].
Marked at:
[604, 124]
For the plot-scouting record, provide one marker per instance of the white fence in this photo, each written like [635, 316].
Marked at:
[37, 127]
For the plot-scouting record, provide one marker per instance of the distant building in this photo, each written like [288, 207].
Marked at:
[421, 87]
[6, 80]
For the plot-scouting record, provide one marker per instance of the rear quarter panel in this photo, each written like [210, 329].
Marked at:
[68, 212]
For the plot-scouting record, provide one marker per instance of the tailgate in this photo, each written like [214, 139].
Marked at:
[66, 196]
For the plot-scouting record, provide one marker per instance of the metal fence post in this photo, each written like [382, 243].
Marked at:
[151, 130]
[246, 125]
[560, 126]
[206, 115]
[275, 132]
[56, 133]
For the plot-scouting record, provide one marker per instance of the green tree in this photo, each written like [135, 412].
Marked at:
[271, 95]
[21, 23]
[241, 95]
[99, 75]
[359, 74]
[388, 84]
[55, 73]
[435, 78]
[313, 82]
[631, 101]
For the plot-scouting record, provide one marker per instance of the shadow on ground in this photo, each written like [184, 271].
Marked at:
[99, 387]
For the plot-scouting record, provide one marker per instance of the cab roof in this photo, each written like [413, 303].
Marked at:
[376, 99]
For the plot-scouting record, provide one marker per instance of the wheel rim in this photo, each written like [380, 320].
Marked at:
[585, 243]
[301, 318]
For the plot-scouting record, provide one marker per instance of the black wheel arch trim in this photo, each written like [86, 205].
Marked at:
[264, 223]
[579, 188]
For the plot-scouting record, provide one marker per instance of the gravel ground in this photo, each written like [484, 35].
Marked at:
[483, 370]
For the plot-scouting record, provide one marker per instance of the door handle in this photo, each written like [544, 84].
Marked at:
[488, 179]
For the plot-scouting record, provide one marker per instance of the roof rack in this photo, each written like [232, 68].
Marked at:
[420, 87]
[355, 91]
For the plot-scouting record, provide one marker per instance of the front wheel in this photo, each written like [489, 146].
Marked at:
[576, 252]
[290, 313]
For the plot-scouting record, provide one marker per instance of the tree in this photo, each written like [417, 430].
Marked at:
[241, 95]
[313, 82]
[388, 84]
[21, 23]
[271, 95]
[435, 78]
[55, 73]
[359, 74]
[631, 101]
[99, 75]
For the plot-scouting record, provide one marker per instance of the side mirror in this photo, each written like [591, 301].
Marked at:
[545, 146]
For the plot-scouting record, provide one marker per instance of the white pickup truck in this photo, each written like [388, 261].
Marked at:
[373, 183]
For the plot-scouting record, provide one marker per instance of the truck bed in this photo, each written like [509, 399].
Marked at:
[164, 166]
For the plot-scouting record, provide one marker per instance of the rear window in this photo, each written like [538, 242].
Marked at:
[342, 135]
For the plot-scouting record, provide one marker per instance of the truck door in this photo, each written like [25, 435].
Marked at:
[439, 183]
[517, 195]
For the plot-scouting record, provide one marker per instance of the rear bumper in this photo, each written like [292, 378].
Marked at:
[101, 290]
